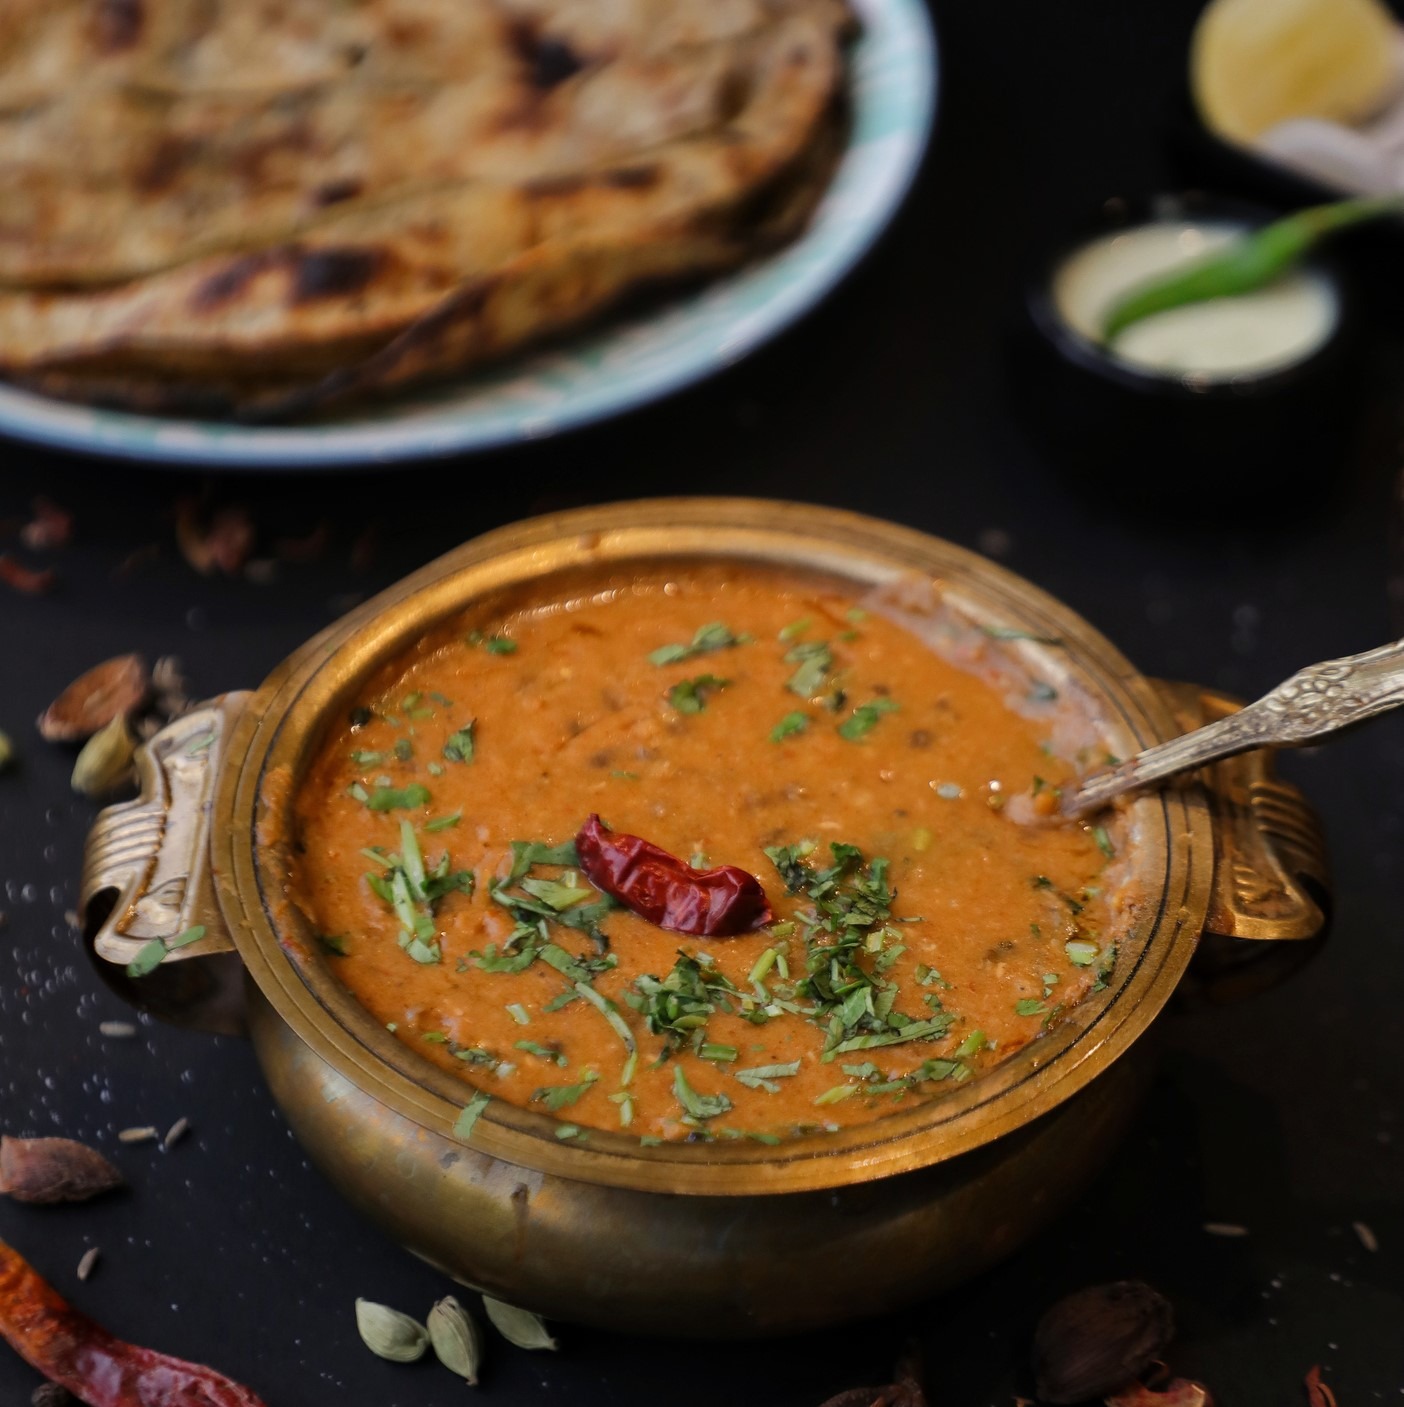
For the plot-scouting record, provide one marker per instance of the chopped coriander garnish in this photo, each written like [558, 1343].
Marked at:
[398, 799]
[493, 644]
[1080, 952]
[624, 776]
[1009, 632]
[864, 718]
[837, 1094]
[556, 1097]
[1029, 1006]
[691, 695]
[404, 749]
[443, 823]
[518, 1013]
[151, 955]
[973, 1044]
[815, 659]
[333, 944]
[564, 1131]
[709, 638]
[724, 1054]
[795, 629]
[764, 1076]
[459, 747]
[362, 758]
[553, 1053]
[789, 726]
[472, 1111]
[556, 894]
[698, 1106]
[1104, 844]
[1041, 692]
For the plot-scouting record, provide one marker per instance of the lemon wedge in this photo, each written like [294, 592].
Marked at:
[1255, 63]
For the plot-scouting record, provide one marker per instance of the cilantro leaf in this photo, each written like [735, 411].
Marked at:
[864, 719]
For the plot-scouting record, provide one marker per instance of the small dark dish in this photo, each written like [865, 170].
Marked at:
[1146, 436]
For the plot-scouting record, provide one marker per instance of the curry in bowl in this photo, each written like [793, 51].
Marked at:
[804, 905]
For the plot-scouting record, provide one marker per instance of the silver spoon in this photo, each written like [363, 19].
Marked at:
[1314, 703]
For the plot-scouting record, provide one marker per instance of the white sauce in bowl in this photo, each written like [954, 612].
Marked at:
[1224, 339]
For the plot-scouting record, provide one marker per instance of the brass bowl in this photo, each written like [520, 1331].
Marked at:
[721, 1239]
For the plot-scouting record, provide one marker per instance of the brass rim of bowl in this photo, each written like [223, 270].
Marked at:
[282, 727]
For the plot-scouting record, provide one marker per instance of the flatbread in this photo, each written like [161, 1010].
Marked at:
[498, 173]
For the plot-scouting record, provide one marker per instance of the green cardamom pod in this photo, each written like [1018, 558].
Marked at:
[390, 1334]
[518, 1326]
[106, 759]
[457, 1339]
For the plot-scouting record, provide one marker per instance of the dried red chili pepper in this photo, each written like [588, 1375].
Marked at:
[1318, 1394]
[71, 1350]
[25, 579]
[668, 891]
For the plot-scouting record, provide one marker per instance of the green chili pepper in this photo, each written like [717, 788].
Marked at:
[1248, 264]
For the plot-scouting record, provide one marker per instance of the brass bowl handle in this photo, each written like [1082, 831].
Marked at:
[1272, 876]
[146, 877]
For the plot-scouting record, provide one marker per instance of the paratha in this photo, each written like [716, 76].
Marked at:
[269, 204]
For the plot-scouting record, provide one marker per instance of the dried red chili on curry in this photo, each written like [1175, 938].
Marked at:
[71, 1350]
[668, 891]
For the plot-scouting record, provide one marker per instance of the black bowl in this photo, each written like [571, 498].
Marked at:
[1144, 436]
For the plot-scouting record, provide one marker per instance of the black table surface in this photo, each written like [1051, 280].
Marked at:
[1280, 1115]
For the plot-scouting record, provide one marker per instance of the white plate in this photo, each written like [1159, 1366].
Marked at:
[624, 363]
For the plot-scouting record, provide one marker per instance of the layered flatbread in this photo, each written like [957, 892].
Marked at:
[267, 205]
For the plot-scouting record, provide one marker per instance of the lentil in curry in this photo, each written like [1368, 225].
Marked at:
[733, 717]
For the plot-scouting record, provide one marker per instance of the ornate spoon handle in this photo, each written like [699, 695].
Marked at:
[1315, 702]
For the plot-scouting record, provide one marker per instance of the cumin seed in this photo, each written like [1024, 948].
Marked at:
[177, 1131]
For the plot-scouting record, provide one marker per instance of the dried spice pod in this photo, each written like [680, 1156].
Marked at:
[221, 543]
[1098, 1340]
[905, 1391]
[518, 1326]
[1178, 1392]
[116, 688]
[51, 1395]
[51, 526]
[457, 1339]
[53, 1170]
[106, 759]
[390, 1334]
